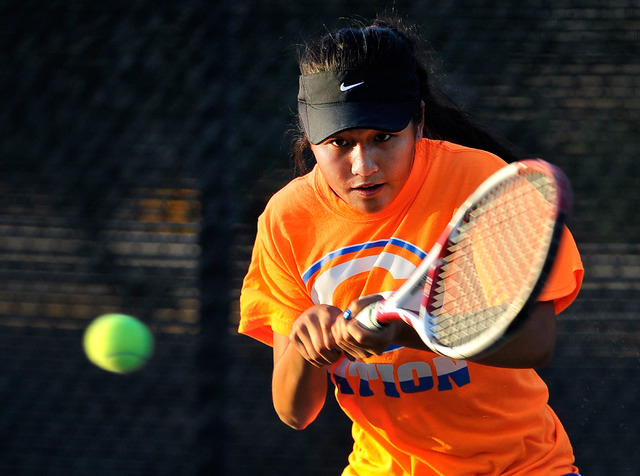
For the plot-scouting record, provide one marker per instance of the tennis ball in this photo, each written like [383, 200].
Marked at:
[118, 343]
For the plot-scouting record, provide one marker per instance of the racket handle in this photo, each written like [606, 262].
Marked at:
[368, 317]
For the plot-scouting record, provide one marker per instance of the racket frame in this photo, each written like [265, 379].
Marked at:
[376, 315]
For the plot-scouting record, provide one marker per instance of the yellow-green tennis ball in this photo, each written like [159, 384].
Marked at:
[118, 343]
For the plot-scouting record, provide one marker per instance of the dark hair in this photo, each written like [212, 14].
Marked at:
[387, 45]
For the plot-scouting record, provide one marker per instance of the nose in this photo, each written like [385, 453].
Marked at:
[363, 161]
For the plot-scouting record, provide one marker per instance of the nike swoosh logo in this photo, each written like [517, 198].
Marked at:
[351, 86]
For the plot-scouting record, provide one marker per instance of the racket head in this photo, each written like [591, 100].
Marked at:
[493, 259]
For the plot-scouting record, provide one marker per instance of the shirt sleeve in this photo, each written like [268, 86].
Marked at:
[273, 294]
[565, 279]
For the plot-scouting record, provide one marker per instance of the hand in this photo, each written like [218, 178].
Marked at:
[356, 341]
[312, 335]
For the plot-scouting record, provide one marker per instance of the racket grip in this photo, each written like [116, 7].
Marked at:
[368, 317]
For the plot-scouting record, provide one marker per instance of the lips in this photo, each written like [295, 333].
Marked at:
[368, 189]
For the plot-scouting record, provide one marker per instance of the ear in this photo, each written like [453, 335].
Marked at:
[420, 126]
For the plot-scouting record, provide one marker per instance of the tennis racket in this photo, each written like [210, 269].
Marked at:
[488, 266]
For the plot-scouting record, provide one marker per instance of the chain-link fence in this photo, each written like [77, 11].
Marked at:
[139, 141]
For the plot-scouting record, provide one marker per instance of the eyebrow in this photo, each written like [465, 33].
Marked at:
[340, 135]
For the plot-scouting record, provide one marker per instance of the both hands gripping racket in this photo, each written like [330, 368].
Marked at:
[488, 266]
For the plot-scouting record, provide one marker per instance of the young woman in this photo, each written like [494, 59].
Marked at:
[392, 163]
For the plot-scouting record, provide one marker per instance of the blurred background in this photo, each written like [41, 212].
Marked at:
[139, 140]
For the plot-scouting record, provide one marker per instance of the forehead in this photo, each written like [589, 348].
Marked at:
[361, 133]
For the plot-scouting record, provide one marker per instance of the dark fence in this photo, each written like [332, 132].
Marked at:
[139, 141]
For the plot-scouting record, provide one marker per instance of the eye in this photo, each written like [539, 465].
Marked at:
[338, 142]
[383, 137]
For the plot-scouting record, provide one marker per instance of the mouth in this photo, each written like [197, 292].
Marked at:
[368, 189]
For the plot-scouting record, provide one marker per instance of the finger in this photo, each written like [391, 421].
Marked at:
[357, 354]
[358, 341]
[346, 315]
[359, 304]
[319, 331]
[297, 340]
[353, 349]
[307, 346]
[332, 356]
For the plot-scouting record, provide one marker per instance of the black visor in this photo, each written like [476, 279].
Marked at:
[334, 101]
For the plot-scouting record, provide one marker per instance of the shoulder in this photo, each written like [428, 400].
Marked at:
[295, 198]
[459, 155]
[292, 213]
[453, 166]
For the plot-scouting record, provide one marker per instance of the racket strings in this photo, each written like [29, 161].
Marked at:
[493, 259]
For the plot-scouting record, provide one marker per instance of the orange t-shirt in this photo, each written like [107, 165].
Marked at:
[414, 412]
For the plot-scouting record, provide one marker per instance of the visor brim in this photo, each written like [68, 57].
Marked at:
[323, 121]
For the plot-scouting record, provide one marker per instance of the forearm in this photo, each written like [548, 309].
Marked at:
[533, 344]
[531, 347]
[299, 389]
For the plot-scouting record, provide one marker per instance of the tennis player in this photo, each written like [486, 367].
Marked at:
[392, 162]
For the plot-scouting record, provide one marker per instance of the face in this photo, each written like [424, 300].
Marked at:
[367, 168]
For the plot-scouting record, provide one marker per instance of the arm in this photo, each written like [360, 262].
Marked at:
[532, 346]
[299, 381]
